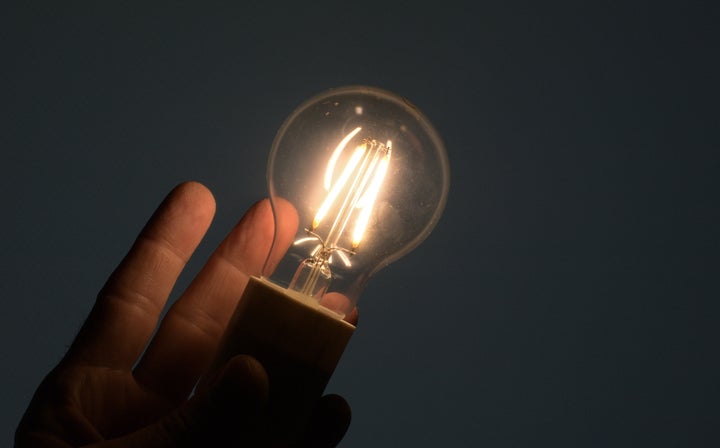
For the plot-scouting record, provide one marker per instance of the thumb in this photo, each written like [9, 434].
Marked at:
[232, 408]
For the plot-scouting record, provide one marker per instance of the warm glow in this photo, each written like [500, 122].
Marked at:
[351, 197]
[368, 201]
[342, 180]
[335, 155]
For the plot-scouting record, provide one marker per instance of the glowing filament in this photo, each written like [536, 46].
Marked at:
[335, 155]
[335, 190]
[368, 201]
[351, 195]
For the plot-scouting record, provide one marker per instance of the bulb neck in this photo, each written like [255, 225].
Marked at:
[299, 343]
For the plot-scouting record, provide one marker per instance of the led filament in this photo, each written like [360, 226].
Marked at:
[350, 199]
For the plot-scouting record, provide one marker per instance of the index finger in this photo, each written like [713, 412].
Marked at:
[187, 339]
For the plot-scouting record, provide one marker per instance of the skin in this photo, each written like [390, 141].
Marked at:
[108, 391]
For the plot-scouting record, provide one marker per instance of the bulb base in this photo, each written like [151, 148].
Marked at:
[297, 341]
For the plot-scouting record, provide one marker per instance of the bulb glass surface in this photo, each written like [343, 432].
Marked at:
[368, 176]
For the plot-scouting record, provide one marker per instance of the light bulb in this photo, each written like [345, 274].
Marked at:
[358, 177]
[368, 176]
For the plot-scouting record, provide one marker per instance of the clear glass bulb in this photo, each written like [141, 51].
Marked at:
[368, 176]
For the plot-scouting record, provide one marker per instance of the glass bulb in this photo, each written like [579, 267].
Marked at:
[368, 176]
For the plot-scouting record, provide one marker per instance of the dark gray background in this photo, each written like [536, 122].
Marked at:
[568, 297]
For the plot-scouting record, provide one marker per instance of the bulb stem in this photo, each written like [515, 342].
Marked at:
[319, 264]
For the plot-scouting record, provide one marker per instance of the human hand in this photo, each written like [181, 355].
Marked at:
[112, 389]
